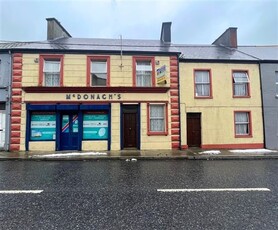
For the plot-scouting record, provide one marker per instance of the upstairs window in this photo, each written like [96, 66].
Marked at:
[51, 70]
[157, 121]
[98, 71]
[202, 80]
[242, 124]
[144, 72]
[240, 84]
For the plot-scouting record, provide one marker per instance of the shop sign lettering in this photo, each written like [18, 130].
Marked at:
[94, 96]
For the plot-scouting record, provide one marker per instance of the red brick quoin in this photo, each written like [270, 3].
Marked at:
[16, 102]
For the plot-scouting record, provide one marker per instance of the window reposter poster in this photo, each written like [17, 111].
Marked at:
[43, 127]
[95, 126]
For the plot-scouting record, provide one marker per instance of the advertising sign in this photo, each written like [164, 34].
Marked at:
[95, 126]
[161, 75]
[43, 127]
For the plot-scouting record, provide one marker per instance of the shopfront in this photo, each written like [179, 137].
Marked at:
[67, 126]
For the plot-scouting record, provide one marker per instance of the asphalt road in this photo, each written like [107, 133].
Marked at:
[124, 195]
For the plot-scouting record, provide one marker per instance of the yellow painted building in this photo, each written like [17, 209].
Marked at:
[220, 104]
[98, 102]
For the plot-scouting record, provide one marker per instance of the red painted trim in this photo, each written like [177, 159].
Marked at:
[97, 58]
[248, 84]
[250, 124]
[175, 145]
[184, 146]
[142, 58]
[234, 146]
[149, 132]
[89, 102]
[32, 89]
[51, 57]
[210, 85]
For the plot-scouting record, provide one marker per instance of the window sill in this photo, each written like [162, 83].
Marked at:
[203, 97]
[243, 136]
[241, 96]
[157, 133]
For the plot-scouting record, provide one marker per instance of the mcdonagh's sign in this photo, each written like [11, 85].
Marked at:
[94, 96]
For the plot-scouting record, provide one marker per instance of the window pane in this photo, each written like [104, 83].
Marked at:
[143, 73]
[202, 90]
[51, 66]
[51, 79]
[242, 123]
[240, 89]
[240, 77]
[99, 79]
[202, 77]
[157, 119]
[98, 67]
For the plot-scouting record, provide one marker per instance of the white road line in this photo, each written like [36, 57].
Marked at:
[19, 191]
[216, 190]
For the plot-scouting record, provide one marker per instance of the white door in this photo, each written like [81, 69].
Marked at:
[2, 128]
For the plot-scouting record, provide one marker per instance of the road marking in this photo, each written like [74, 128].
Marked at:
[19, 191]
[216, 190]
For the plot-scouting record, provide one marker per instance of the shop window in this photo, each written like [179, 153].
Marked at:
[51, 70]
[243, 124]
[157, 119]
[202, 81]
[98, 71]
[43, 126]
[241, 84]
[95, 126]
[143, 71]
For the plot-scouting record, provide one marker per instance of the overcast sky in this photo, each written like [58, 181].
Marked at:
[193, 21]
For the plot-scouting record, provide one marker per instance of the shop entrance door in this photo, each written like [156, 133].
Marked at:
[69, 132]
[2, 128]
[193, 129]
[130, 127]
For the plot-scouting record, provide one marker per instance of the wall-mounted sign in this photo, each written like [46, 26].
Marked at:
[43, 127]
[95, 126]
[161, 75]
[94, 96]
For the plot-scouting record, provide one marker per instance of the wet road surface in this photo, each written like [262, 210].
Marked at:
[124, 195]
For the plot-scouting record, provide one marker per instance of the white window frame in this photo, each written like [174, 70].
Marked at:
[203, 84]
[238, 82]
[50, 75]
[157, 118]
[143, 71]
[243, 123]
[96, 72]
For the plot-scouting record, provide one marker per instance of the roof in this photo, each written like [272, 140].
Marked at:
[212, 52]
[262, 52]
[93, 44]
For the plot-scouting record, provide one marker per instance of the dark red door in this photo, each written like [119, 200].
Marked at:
[130, 131]
[193, 129]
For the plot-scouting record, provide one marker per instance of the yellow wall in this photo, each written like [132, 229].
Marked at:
[75, 66]
[217, 114]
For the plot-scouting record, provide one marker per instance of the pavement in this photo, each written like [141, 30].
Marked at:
[133, 155]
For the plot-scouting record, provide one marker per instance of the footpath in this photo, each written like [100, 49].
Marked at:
[189, 154]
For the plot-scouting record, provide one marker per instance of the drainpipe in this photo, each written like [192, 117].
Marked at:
[262, 98]
[178, 60]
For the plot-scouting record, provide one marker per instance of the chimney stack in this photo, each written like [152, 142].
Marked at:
[55, 29]
[165, 36]
[228, 38]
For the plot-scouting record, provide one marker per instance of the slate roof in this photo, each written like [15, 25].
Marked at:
[262, 52]
[212, 52]
[93, 44]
